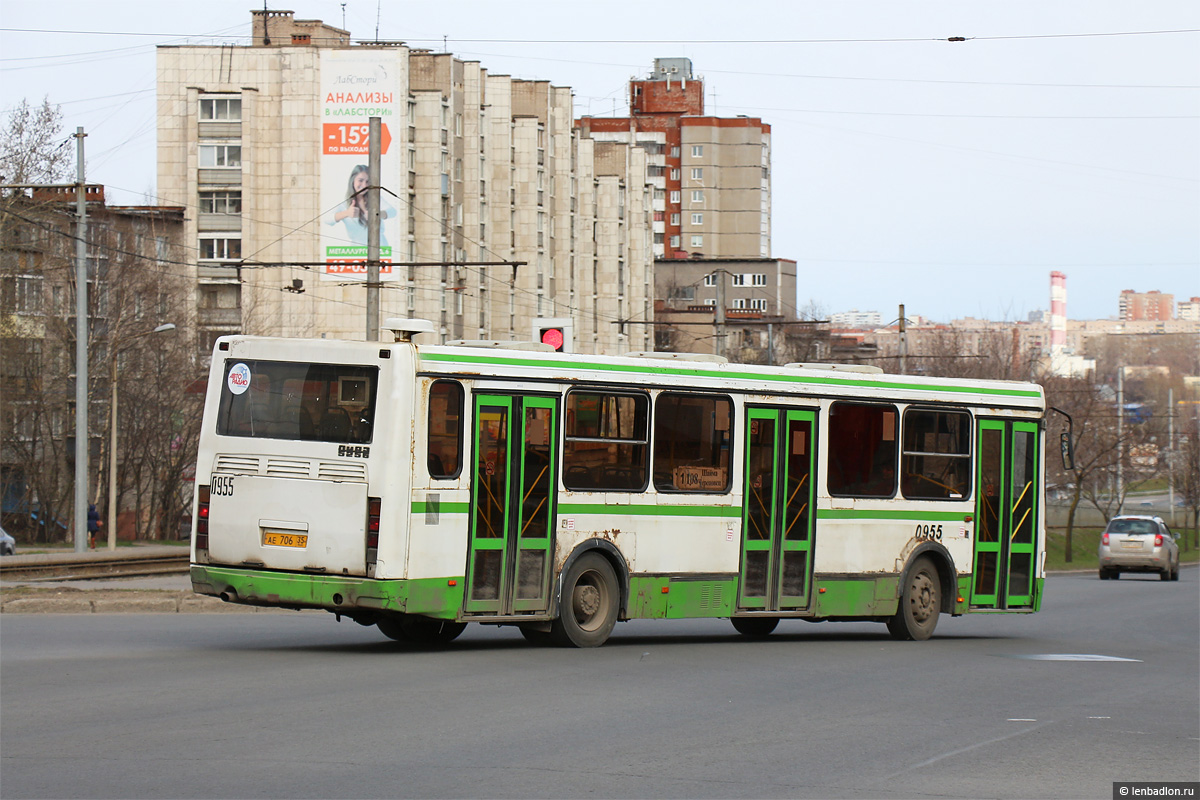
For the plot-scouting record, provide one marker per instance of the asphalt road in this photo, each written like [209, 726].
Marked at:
[297, 705]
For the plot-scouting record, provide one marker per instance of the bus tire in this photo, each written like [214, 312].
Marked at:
[920, 603]
[420, 630]
[754, 627]
[589, 603]
[390, 627]
[426, 630]
[535, 636]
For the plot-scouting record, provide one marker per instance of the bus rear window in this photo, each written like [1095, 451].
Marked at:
[289, 400]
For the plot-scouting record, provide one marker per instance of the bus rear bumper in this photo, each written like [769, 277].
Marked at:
[439, 597]
[296, 591]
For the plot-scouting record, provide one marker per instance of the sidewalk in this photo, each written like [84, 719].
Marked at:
[162, 594]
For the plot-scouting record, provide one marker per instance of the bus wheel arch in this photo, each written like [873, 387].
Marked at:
[591, 597]
[615, 558]
[924, 594]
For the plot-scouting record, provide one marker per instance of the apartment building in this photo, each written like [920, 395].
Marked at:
[760, 301]
[136, 281]
[711, 175]
[1139, 306]
[495, 211]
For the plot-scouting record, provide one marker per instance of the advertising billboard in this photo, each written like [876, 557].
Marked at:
[355, 86]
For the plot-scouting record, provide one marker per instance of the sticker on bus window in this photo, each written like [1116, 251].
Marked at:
[239, 378]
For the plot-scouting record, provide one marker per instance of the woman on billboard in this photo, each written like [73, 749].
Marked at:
[354, 215]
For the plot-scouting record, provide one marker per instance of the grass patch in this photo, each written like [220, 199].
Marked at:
[1086, 541]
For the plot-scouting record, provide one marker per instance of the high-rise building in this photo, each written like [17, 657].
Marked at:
[1189, 309]
[1152, 305]
[711, 175]
[266, 145]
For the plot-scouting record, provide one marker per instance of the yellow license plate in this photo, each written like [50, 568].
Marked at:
[286, 539]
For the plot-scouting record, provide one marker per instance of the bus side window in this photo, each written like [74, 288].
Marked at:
[444, 432]
[862, 450]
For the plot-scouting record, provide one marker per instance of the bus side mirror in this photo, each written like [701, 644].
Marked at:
[1068, 454]
[1064, 441]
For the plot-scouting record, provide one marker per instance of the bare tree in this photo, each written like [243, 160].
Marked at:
[33, 148]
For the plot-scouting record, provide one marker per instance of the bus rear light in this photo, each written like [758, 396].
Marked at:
[202, 519]
[374, 506]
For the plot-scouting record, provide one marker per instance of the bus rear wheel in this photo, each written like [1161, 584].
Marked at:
[920, 603]
[589, 603]
[755, 627]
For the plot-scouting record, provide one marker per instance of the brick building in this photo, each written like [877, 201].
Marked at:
[711, 175]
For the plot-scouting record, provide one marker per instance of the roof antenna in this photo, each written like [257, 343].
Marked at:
[343, 16]
[266, 36]
[378, 11]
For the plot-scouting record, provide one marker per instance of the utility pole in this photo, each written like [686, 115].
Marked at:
[719, 322]
[1171, 451]
[1120, 439]
[81, 350]
[903, 343]
[374, 139]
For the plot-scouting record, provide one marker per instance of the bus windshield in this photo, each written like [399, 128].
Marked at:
[288, 400]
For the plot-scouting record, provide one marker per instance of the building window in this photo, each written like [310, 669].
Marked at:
[739, 302]
[697, 173]
[697, 241]
[697, 196]
[675, 173]
[759, 279]
[220, 155]
[220, 249]
[22, 293]
[697, 151]
[675, 219]
[220, 109]
[758, 303]
[737, 279]
[675, 151]
[675, 240]
[709, 301]
[710, 279]
[675, 197]
[697, 219]
[692, 443]
[220, 202]
[862, 450]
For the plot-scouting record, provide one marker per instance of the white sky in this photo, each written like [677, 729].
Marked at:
[949, 176]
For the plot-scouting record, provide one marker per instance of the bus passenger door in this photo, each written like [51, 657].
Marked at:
[777, 511]
[1006, 512]
[512, 505]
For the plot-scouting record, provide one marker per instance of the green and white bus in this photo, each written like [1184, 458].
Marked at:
[419, 488]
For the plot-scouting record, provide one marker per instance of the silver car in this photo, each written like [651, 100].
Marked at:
[1138, 544]
[8, 545]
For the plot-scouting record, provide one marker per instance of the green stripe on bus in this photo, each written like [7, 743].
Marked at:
[925, 516]
[648, 511]
[442, 508]
[693, 371]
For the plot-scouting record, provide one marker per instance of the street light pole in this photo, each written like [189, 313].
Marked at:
[112, 433]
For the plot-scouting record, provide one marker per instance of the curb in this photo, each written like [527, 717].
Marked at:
[134, 603]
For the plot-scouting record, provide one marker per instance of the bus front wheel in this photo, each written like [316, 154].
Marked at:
[920, 603]
[589, 603]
